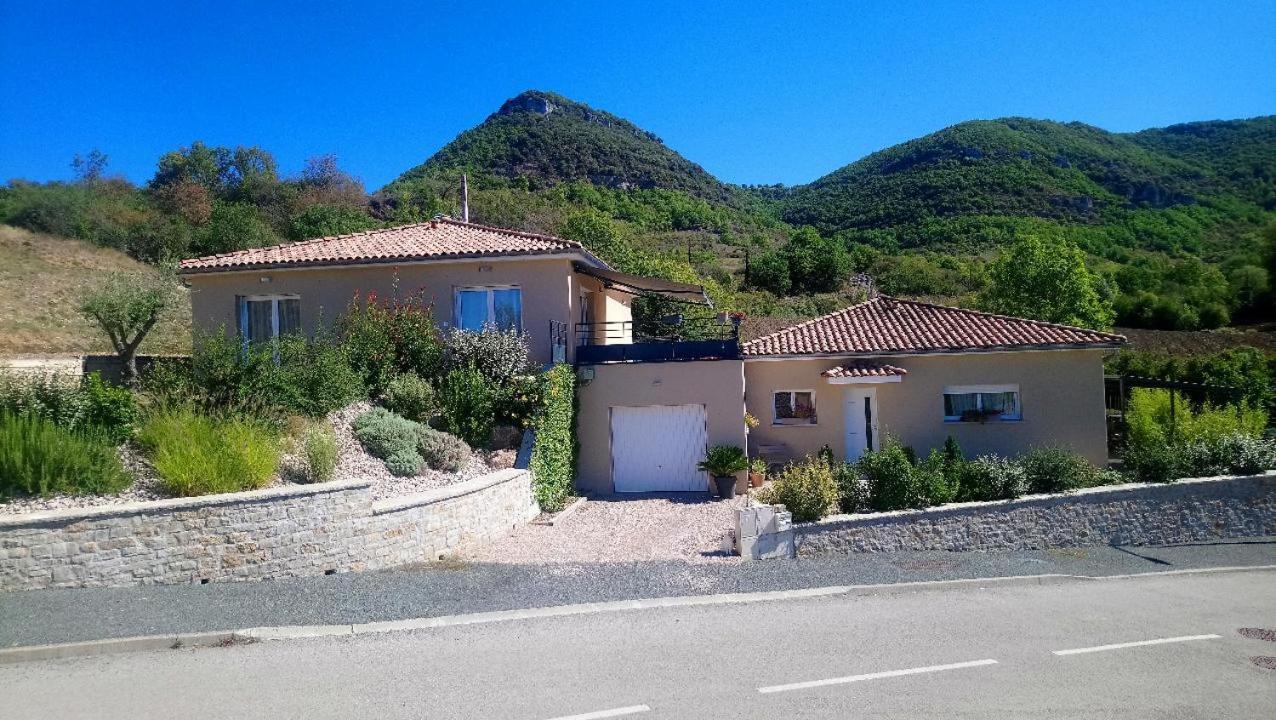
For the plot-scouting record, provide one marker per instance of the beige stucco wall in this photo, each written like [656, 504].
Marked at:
[717, 384]
[1061, 394]
[550, 290]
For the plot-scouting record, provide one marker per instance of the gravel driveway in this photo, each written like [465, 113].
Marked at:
[623, 528]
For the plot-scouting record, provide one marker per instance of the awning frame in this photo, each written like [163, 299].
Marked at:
[638, 285]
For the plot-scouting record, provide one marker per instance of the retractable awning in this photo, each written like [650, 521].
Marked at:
[639, 285]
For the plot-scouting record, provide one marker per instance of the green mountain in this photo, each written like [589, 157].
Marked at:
[547, 138]
[1067, 172]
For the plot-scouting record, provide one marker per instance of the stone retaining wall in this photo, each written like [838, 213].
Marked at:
[1185, 511]
[272, 533]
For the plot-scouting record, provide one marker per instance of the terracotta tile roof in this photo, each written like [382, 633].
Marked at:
[861, 369]
[890, 325]
[441, 238]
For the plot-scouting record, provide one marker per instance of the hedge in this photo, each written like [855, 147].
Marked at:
[554, 454]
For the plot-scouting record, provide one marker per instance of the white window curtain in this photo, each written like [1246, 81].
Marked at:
[981, 403]
[263, 318]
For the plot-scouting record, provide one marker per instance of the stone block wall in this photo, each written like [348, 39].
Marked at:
[272, 533]
[1185, 511]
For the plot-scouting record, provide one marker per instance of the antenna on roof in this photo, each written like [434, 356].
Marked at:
[465, 198]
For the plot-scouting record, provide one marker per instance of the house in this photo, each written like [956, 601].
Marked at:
[653, 394]
[916, 371]
[471, 275]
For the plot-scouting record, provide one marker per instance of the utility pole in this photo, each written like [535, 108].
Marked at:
[465, 198]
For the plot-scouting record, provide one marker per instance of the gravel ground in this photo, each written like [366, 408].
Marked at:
[354, 464]
[693, 527]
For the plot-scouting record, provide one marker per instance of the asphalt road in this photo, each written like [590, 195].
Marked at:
[1006, 652]
[59, 616]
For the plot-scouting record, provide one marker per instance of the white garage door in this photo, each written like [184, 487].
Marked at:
[657, 448]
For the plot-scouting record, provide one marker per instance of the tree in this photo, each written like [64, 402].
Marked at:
[126, 307]
[816, 264]
[1248, 284]
[1046, 278]
[89, 168]
[326, 220]
[243, 173]
[234, 226]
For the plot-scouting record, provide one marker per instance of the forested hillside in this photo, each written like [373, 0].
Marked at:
[1172, 224]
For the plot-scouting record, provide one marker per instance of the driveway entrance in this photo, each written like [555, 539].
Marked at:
[694, 527]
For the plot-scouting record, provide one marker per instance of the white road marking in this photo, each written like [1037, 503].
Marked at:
[1140, 643]
[614, 712]
[874, 676]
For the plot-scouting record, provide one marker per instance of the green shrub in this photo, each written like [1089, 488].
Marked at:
[38, 457]
[468, 406]
[113, 409]
[1245, 454]
[553, 462]
[200, 454]
[319, 445]
[295, 374]
[852, 490]
[72, 403]
[990, 477]
[404, 463]
[408, 446]
[1056, 469]
[503, 357]
[806, 489]
[1152, 462]
[1149, 419]
[500, 355]
[411, 396]
[310, 375]
[385, 337]
[518, 401]
[935, 481]
[442, 451]
[391, 438]
[891, 478]
[1236, 453]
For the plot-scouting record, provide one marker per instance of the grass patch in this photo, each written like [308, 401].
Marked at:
[197, 454]
[38, 457]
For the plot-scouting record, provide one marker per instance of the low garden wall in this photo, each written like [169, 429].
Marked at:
[277, 532]
[1184, 511]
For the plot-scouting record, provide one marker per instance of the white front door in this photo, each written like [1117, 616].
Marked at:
[860, 411]
[657, 448]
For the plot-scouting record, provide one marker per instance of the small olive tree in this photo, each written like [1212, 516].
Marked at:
[126, 307]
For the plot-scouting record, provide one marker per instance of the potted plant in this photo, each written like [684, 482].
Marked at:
[724, 462]
[757, 472]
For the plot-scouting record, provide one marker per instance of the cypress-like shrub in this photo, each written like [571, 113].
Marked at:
[554, 454]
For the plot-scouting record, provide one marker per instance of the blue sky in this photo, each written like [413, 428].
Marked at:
[754, 92]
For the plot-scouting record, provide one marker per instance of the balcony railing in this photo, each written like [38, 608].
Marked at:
[669, 338]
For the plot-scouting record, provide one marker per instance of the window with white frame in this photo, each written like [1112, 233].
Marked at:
[265, 317]
[793, 407]
[982, 403]
[499, 306]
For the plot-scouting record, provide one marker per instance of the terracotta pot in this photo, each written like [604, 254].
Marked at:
[756, 479]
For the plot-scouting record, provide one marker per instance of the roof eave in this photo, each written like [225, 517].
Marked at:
[936, 351]
[570, 253]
